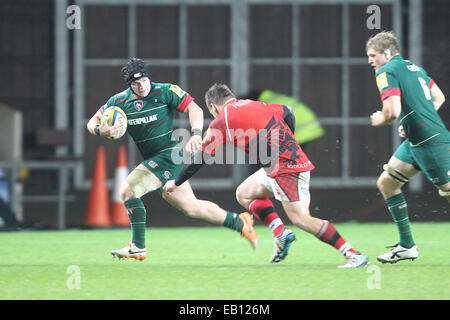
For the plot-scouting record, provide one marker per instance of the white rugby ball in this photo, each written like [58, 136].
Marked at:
[114, 116]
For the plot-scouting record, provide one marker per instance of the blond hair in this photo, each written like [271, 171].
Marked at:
[218, 94]
[383, 41]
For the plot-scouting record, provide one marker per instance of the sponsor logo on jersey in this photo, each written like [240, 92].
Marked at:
[299, 165]
[177, 90]
[167, 174]
[138, 105]
[143, 120]
[152, 164]
[382, 81]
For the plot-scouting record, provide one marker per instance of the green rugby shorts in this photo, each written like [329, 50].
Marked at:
[432, 158]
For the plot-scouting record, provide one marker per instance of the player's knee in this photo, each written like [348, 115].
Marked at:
[137, 184]
[126, 192]
[386, 183]
[239, 194]
[393, 174]
[382, 182]
[242, 196]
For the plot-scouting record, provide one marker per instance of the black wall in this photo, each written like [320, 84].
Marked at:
[26, 83]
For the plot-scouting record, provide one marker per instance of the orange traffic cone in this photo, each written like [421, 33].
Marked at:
[97, 212]
[119, 212]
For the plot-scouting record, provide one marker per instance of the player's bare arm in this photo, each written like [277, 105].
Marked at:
[392, 107]
[195, 114]
[94, 121]
[438, 96]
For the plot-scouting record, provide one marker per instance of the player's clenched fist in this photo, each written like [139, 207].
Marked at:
[109, 131]
[377, 118]
[169, 186]
[194, 143]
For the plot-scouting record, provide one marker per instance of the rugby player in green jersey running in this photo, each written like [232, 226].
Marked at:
[411, 96]
[150, 108]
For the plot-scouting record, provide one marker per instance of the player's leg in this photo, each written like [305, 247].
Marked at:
[184, 199]
[254, 193]
[390, 183]
[299, 213]
[433, 158]
[396, 173]
[138, 183]
[400, 168]
[296, 205]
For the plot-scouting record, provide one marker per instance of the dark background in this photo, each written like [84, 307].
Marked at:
[27, 82]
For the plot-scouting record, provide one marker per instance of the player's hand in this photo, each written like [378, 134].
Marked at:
[109, 131]
[194, 143]
[401, 132]
[377, 118]
[169, 186]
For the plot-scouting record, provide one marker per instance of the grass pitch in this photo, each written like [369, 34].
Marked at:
[214, 263]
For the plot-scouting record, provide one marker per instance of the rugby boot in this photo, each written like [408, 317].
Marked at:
[247, 229]
[354, 260]
[130, 251]
[399, 253]
[281, 245]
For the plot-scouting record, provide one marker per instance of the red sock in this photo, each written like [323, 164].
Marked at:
[263, 209]
[329, 234]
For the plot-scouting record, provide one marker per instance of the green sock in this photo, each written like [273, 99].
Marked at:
[137, 215]
[233, 222]
[399, 211]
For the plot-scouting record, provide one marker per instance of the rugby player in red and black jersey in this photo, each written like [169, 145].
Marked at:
[252, 126]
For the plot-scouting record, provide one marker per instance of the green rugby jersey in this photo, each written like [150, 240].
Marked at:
[150, 119]
[420, 120]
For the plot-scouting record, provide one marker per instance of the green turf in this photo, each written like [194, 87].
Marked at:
[215, 263]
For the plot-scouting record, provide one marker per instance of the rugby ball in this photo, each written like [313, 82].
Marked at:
[114, 116]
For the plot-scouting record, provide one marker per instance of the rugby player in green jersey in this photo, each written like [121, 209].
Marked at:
[411, 96]
[150, 108]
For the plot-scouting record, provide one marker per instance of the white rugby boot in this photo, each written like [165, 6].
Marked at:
[354, 260]
[130, 251]
[399, 253]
